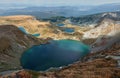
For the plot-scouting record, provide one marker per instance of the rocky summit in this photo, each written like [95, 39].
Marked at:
[101, 33]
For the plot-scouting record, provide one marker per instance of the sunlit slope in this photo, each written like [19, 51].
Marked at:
[44, 28]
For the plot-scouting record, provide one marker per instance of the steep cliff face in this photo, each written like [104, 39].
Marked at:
[13, 44]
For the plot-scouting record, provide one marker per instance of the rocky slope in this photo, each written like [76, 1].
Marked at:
[104, 35]
[13, 44]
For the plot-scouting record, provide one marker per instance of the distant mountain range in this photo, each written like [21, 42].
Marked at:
[94, 19]
[66, 11]
[87, 20]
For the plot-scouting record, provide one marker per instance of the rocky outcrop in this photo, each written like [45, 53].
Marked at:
[107, 27]
[105, 34]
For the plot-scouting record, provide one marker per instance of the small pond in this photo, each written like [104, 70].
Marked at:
[36, 35]
[69, 30]
[24, 31]
[61, 25]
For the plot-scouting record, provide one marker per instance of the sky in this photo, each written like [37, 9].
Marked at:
[60, 2]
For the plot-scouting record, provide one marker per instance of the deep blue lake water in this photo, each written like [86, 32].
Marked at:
[54, 54]
[61, 25]
[68, 30]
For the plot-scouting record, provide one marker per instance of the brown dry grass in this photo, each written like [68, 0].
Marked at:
[4, 43]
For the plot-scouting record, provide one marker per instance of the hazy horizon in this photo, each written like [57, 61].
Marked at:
[59, 2]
